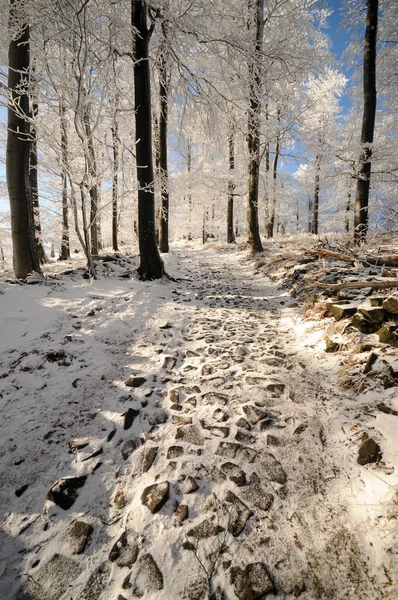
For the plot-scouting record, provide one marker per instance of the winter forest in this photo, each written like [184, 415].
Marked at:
[238, 106]
[198, 299]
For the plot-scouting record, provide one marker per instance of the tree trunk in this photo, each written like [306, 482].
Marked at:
[65, 242]
[25, 256]
[271, 219]
[164, 85]
[151, 265]
[348, 208]
[253, 134]
[115, 142]
[189, 168]
[361, 216]
[34, 184]
[231, 186]
[315, 215]
[93, 188]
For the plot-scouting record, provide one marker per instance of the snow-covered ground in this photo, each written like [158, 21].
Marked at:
[231, 410]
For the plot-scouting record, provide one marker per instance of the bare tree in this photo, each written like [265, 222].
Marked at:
[361, 216]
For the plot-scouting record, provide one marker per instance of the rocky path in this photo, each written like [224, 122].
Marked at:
[218, 476]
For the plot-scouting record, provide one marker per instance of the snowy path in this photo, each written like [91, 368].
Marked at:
[228, 414]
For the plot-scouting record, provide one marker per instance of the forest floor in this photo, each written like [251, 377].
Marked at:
[186, 439]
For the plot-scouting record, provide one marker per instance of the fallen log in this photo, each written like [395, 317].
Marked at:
[331, 254]
[376, 285]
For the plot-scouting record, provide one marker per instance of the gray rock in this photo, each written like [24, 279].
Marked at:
[222, 432]
[243, 424]
[174, 397]
[189, 485]
[155, 496]
[169, 363]
[369, 452]
[129, 417]
[148, 458]
[64, 491]
[181, 513]
[228, 449]
[245, 437]
[124, 553]
[239, 514]
[134, 381]
[275, 388]
[78, 536]
[204, 530]
[196, 590]
[128, 447]
[215, 398]
[181, 420]
[174, 452]
[234, 473]
[190, 434]
[255, 495]
[253, 582]
[220, 416]
[97, 582]
[273, 469]
[53, 579]
[149, 578]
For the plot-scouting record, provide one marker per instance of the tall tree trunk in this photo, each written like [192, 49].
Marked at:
[231, 185]
[189, 168]
[164, 85]
[65, 242]
[25, 256]
[34, 182]
[310, 214]
[151, 265]
[253, 134]
[361, 216]
[115, 143]
[348, 207]
[315, 215]
[271, 219]
[93, 185]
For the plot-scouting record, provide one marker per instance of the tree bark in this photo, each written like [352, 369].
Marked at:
[315, 214]
[34, 183]
[25, 256]
[93, 187]
[231, 186]
[115, 143]
[361, 216]
[272, 208]
[151, 265]
[253, 134]
[164, 86]
[65, 241]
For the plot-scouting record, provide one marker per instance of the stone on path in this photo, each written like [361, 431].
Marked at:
[181, 513]
[155, 496]
[174, 452]
[189, 485]
[275, 388]
[149, 578]
[53, 579]
[204, 530]
[78, 536]
[128, 447]
[215, 398]
[239, 514]
[134, 381]
[253, 414]
[97, 582]
[255, 495]
[124, 553]
[228, 449]
[253, 582]
[190, 434]
[243, 424]
[369, 452]
[234, 473]
[129, 417]
[273, 469]
[148, 458]
[64, 491]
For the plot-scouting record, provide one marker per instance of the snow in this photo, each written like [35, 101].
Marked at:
[68, 346]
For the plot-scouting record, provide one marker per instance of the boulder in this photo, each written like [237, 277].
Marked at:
[155, 496]
[53, 579]
[253, 582]
[369, 452]
[64, 491]
[391, 305]
[149, 578]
